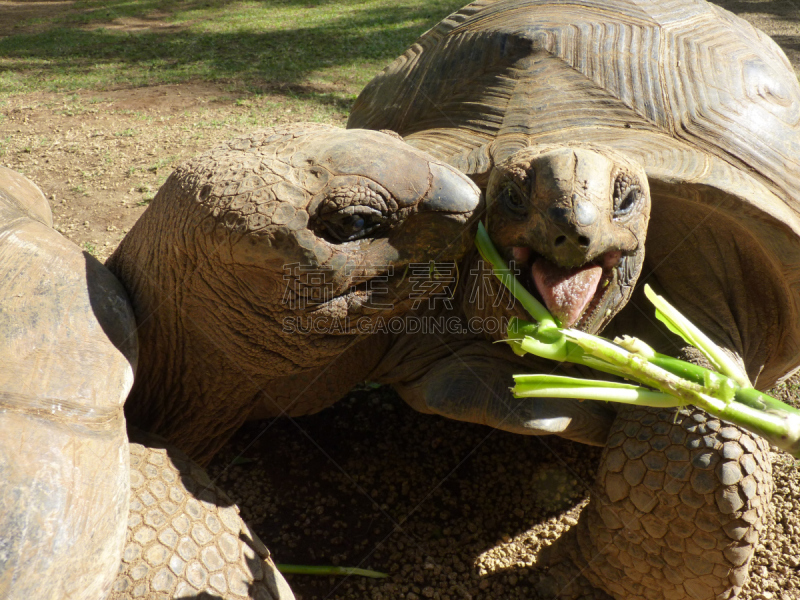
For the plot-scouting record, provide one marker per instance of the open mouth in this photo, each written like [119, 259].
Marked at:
[575, 296]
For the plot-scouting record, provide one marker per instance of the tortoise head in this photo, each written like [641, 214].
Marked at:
[311, 221]
[573, 219]
[373, 206]
[271, 256]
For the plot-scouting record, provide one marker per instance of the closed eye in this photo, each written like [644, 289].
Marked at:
[352, 223]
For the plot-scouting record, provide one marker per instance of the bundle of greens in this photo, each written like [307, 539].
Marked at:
[725, 391]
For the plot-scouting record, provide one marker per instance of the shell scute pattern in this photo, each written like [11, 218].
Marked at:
[185, 537]
[688, 529]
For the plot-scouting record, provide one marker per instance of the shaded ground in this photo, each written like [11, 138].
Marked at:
[449, 510]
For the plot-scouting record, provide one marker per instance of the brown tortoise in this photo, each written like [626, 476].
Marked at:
[680, 498]
[532, 99]
[217, 237]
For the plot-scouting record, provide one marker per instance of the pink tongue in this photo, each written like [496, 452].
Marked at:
[566, 292]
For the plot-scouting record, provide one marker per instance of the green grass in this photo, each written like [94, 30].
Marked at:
[323, 48]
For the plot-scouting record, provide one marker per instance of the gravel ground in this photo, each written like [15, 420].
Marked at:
[449, 510]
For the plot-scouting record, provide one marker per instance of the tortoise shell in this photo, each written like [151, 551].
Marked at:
[709, 105]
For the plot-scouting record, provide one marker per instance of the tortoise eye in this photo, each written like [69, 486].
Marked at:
[513, 202]
[350, 213]
[351, 223]
[627, 192]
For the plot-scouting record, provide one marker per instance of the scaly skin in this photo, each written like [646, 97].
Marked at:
[214, 269]
[185, 535]
[679, 503]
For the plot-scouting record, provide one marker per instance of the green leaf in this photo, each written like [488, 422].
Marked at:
[683, 327]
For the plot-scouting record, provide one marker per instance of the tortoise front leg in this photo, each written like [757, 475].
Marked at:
[185, 537]
[472, 384]
[679, 500]
[677, 508]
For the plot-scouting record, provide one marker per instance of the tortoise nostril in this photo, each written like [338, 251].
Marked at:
[583, 241]
[560, 240]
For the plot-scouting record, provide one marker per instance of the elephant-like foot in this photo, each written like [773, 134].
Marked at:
[678, 506]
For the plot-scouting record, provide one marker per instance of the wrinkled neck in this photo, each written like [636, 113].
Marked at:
[213, 341]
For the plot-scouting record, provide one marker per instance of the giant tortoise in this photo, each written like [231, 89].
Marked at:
[565, 113]
[205, 266]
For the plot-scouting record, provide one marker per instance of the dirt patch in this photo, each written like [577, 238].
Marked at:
[100, 157]
[152, 23]
[28, 17]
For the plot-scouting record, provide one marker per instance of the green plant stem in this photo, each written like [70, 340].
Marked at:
[503, 273]
[729, 395]
[680, 325]
[780, 425]
[554, 386]
[329, 570]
